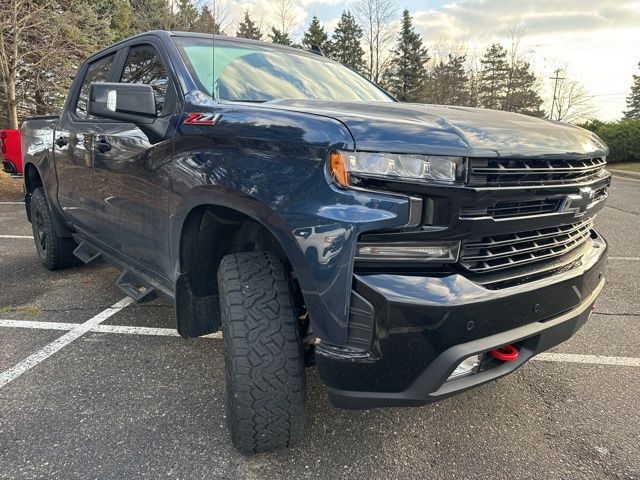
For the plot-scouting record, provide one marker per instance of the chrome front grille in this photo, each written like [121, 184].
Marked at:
[516, 249]
[513, 209]
[506, 172]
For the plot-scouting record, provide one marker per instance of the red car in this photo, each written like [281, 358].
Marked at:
[11, 151]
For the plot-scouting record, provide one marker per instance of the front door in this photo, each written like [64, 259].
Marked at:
[133, 162]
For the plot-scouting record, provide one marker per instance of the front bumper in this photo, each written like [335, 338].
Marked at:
[425, 326]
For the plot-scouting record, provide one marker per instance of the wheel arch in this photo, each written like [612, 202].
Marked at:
[36, 177]
[208, 232]
[32, 180]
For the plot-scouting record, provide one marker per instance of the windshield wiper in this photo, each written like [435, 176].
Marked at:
[248, 100]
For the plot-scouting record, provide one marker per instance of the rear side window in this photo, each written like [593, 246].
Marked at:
[98, 71]
[144, 65]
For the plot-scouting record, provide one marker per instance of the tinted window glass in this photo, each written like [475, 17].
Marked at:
[144, 65]
[244, 72]
[97, 72]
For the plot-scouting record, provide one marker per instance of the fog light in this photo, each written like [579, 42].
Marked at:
[421, 252]
[468, 366]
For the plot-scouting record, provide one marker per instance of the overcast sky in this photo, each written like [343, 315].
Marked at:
[598, 41]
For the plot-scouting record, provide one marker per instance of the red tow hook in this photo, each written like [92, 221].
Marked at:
[508, 353]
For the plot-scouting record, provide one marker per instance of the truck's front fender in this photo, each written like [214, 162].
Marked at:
[315, 223]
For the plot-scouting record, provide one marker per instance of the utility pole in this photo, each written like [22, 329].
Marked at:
[555, 90]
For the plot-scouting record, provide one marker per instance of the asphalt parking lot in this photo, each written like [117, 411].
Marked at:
[123, 397]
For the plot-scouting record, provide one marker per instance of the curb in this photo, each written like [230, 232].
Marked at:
[625, 174]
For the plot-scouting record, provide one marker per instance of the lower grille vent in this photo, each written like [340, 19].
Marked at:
[516, 249]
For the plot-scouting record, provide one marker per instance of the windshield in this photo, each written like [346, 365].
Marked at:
[243, 72]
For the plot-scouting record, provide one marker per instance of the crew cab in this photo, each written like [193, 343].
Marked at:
[408, 252]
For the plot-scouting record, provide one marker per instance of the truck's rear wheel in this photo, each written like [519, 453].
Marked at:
[55, 252]
[263, 353]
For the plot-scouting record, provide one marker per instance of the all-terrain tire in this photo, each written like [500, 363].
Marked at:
[263, 353]
[55, 252]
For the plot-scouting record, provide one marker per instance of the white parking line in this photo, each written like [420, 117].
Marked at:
[124, 329]
[591, 359]
[75, 332]
[37, 325]
[170, 332]
[11, 203]
[30, 237]
[625, 178]
[633, 259]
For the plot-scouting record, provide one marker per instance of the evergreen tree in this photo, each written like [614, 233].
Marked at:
[281, 38]
[474, 87]
[448, 83]
[521, 94]
[248, 28]
[186, 17]
[206, 23]
[316, 35]
[150, 15]
[406, 75]
[633, 100]
[345, 43]
[493, 77]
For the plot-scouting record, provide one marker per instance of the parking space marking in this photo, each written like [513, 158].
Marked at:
[170, 332]
[11, 203]
[37, 325]
[591, 359]
[123, 329]
[30, 237]
[621, 177]
[161, 332]
[633, 259]
[76, 332]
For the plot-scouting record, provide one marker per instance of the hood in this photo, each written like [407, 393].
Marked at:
[444, 130]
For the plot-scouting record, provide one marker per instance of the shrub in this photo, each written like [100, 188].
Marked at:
[622, 138]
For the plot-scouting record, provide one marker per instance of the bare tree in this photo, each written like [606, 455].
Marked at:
[523, 88]
[284, 17]
[515, 35]
[221, 14]
[376, 17]
[441, 49]
[572, 102]
[19, 19]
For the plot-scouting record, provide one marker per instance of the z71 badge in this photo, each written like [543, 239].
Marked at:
[202, 118]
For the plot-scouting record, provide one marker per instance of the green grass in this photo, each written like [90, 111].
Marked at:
[28, 309]
[627, 167]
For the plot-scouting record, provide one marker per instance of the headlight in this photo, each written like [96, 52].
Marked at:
[345, 165]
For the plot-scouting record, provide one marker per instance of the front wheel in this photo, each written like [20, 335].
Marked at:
[263, 353]
[55, 252]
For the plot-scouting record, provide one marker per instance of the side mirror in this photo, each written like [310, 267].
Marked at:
[130, 102]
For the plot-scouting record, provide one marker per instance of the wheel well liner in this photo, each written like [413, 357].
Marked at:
[32, 179]
[209, 233]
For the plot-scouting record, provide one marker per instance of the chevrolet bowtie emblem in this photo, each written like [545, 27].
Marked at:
[578, 202]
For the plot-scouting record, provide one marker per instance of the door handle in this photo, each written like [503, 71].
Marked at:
[102, 145]
[61, 142]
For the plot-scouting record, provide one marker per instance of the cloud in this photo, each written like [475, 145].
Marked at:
[595, 41]
[491, 18]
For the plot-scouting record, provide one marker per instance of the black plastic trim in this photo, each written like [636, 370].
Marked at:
[432, 386]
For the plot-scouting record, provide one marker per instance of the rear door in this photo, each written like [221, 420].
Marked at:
[78, 185]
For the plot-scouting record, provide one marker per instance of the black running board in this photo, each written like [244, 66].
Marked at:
[133, 281]
[136, 288]
[86, 253]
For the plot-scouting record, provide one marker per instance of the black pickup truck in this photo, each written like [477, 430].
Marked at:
[408, 251]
